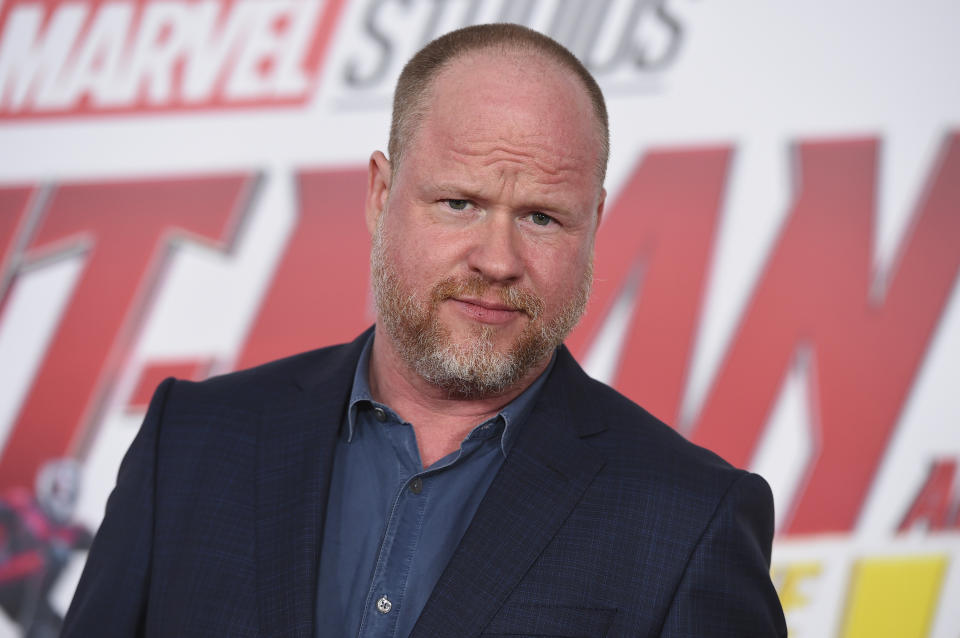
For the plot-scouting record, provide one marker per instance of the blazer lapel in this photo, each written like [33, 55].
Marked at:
[297, 438]
[542, 479]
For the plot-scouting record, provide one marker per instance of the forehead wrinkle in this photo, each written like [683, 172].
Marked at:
[544, 167]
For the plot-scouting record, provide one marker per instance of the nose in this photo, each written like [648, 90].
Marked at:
[496, 251]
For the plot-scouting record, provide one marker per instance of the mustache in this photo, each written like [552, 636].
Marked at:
[512, 296]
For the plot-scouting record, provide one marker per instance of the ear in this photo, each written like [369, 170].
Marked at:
[378, 188]
[603, 200]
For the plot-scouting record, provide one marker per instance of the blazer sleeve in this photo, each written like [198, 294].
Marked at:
[111, 598]
[726, 590]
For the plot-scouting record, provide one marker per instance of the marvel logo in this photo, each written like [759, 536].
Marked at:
[61, 58]
[626, 44]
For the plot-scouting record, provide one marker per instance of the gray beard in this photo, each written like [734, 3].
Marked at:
[474, 369]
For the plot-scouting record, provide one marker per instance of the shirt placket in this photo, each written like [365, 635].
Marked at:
[401, 536]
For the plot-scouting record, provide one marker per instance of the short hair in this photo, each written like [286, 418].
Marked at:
[413, 86]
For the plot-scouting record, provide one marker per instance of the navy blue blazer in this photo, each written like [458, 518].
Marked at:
[601, 522]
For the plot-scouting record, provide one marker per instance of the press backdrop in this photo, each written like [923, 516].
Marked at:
[181, 184]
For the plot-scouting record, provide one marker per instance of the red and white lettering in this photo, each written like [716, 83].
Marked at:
[124, 229]
[319, 293]
[34, 47]
[658, 235]
[934, 506]
[815, 291]
[14, 205]
[99, 56]
[268, 65]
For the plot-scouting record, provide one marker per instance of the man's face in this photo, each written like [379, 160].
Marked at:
[483, 235]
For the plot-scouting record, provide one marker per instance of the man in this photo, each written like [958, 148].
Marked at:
[452, 472]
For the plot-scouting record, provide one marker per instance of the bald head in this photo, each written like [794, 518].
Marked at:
[526, 47]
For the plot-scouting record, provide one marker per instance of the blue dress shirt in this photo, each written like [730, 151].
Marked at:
[391, 526]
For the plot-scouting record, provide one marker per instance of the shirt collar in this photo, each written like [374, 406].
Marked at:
[513, 414]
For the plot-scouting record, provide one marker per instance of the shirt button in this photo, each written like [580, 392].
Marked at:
[416, 485]
[384, 605]
[380, 414]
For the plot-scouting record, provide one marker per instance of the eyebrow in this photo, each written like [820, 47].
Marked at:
[472, 193]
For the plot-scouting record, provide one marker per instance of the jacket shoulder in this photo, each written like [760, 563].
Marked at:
[249, 388]
[651, 463]
[632, 439]
[638, 432]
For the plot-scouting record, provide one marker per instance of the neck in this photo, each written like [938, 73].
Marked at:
[440, 421]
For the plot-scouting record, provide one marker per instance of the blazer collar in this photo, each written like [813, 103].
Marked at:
[541, 481]
[297, 436]
[543, 477]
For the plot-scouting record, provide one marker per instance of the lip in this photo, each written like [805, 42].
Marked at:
[484, 311]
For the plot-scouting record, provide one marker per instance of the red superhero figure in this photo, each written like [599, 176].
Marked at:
[37, 540]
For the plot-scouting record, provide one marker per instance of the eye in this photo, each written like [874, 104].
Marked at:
[458, 204]
[540, 219]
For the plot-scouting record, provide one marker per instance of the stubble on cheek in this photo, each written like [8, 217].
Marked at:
[475, 367]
